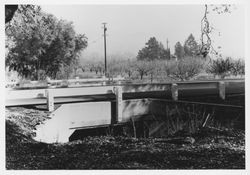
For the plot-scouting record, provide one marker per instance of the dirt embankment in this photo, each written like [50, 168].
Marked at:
[211, 150]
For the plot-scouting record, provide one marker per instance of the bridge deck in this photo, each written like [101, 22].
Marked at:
[186, 90]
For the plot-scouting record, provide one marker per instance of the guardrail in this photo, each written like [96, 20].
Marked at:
[174, 88]
[87, 80]
[119, 90]
[74, 81]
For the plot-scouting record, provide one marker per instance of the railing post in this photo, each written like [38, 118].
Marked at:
[174, 91]
[77, 81]
[222, 90]
[50, 99]
[119, 104]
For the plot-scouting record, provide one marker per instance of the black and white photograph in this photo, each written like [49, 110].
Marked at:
[124, 86]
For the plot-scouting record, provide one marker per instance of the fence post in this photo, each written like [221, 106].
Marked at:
[222, 90]
[174, 91]
[50, 99]
[119, 104]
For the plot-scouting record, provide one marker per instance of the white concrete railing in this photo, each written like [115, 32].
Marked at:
[69, 92]
[119, 90]
[89, 80]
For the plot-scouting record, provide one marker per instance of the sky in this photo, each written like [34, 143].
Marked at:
[130, 26]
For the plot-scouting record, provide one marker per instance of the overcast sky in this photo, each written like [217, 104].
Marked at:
[130, 26]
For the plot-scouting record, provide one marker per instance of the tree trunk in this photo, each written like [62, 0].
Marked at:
[141, 75]
[75, 71]
[129, 74]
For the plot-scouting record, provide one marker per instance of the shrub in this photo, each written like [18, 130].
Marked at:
[238, 67]
[221, 67]
[41, 75]
[184, 69]
[24, 83]
[64, 83]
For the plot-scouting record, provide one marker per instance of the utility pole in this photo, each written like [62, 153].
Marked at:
[105, 52]
[167, 43]
[168, 50]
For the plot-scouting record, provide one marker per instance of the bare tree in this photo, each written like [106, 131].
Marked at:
[129, 67]
[184, 69]
[143, 68]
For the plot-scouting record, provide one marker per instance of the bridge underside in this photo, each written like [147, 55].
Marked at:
[76, 116]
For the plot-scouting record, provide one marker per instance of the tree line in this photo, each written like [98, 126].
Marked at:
[39, 45]
[184, 69]
[154, 50]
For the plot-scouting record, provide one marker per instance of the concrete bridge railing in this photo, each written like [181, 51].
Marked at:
[119, 90]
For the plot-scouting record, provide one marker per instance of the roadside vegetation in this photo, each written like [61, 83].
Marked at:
[159, 71]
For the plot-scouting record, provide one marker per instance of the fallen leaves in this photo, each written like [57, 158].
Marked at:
[211, 150]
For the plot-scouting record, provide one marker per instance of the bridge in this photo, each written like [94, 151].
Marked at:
[96, 106]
